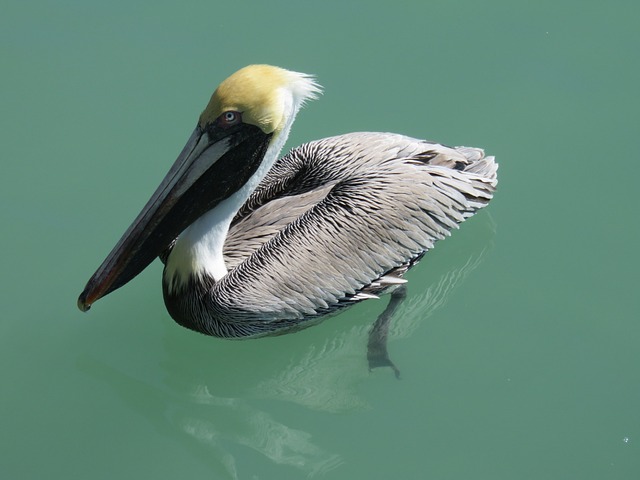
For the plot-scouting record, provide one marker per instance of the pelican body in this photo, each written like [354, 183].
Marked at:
[254, 244]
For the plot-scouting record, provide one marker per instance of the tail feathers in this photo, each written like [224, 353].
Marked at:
[487, 168]
[480, 165]
[470, 153]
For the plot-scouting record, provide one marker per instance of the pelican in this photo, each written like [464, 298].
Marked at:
[255, 245]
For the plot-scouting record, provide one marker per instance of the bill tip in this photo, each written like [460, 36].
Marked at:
[82, 303]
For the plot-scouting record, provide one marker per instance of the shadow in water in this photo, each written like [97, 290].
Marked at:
[227, 399]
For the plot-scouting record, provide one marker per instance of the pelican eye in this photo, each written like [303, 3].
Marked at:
[230, 118]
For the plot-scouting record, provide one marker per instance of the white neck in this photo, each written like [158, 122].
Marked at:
[199, 248]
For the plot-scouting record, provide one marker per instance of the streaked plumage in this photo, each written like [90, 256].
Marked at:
[333, 222]
[329, 220]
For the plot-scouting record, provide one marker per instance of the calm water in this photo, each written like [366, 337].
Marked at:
[518, 343]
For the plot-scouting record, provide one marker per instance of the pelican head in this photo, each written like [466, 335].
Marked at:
[266, 96]
[238, 137]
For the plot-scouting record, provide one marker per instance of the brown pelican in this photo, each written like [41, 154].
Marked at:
[254, 244]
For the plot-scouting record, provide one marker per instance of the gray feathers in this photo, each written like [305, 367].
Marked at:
[336, 221]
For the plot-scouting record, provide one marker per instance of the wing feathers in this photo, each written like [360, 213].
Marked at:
[335, 215]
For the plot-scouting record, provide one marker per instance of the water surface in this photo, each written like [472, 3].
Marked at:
[518, 342]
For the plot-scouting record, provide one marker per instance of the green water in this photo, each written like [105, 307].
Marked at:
[518, 342]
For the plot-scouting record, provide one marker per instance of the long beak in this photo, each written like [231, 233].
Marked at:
[212, 166]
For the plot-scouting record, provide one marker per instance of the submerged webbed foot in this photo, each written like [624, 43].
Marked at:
[377, 353]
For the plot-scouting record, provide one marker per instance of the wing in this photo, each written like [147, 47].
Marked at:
[249, 232]
[335, 215]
